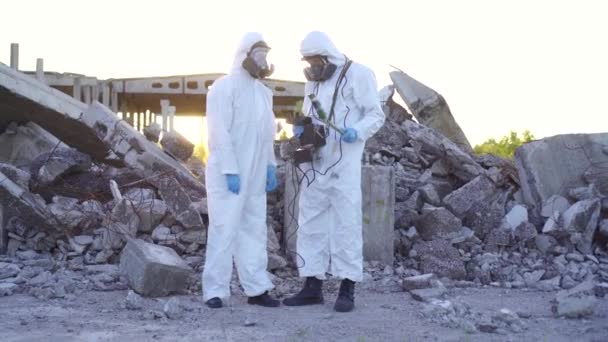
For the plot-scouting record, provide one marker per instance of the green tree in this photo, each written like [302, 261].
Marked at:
[506, 146]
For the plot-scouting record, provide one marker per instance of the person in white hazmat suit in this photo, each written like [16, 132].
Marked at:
[329, 237]
[240, 170]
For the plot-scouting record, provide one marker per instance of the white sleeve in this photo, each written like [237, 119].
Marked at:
[220, 114]
[366, 98]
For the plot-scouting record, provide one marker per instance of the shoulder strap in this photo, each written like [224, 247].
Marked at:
[337, 89]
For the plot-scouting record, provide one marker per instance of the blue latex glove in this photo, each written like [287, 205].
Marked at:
[234, 183]
[271, 178]
[350, 135]
[298, 130]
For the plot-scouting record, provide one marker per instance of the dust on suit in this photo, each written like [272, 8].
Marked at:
[241, 130]
[329, 238]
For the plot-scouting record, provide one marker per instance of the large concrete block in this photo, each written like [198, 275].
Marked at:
[378, 205]
[460, 201]
[429, 108]
[153, 270]
[554, 165]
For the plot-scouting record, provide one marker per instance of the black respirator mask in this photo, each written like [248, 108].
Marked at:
[256, 63]
[319, 72]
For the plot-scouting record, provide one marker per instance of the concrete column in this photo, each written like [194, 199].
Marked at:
[40, 70]
[114, 102]
[164, 109]
[378, 190]
[171, 118]
[105, 94]
[15, 56]
[87, 94]
[77, 89]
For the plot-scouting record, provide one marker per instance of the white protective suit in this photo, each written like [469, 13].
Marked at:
[241, 128]
[330, 226]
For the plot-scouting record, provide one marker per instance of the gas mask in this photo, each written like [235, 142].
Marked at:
[319, 70]
[256, 62]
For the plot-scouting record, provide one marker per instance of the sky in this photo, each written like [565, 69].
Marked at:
[500, 65]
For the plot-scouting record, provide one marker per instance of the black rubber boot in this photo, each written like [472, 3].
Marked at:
[346, 296]
[311, 294]
[214, 303]
[264, 300]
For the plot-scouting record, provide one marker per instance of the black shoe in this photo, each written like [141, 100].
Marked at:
[264, 300]
[214, 303]
[312, 293]
[346, 296]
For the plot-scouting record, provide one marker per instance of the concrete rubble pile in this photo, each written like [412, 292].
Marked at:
[538, 222]
[88, 203]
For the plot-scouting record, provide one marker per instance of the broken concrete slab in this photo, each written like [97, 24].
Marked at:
[473, 193]
[392, 110]
[440, 258]
[153, 270]
[176, 145]
[66, 211]
[438, 223]
[49, 166]
[430, 195]
[150, 213]
[102, 134]
[554, 165]
[152, 132]
[553, 204]
[20, 177]
[32, 208]
[575, 307]
[583, 218]
[483, 217]
[139, 194]
[584, 193]
[8, 270]
[517, 216]
[461, 163]
[124, 219]
[21, 144]
[418, 282]
[429, 108]
[178, 202]
[426, 295]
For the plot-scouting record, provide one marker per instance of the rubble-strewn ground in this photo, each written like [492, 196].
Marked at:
[101, 316]
[484, 248]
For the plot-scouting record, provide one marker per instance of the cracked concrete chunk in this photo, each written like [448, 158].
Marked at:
[583, 217]
[473, 193]
[18, 176]
[545, 166]
[49, 166]
[440, 258]
[153, 270]
[177, 145]
[429, 108]
[461, 163]
[438, 223]
[150, 212]
[179, 203]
